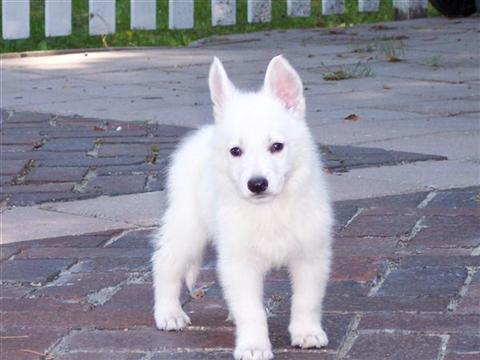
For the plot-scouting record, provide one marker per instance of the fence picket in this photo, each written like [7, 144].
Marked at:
[58, 18]
[102, 17]
[15, 19]
[368, 5]
[143, 14]
[224, 12]
[180, 14]
[259, 11]
[410, 9]
[298, 7]
[331, 7]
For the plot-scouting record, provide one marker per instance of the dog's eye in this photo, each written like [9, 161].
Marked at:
[276, 147]
[236, 151]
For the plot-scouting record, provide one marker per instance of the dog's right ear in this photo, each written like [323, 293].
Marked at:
[221, 88]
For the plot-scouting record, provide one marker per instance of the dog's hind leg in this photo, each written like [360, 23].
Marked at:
[178, 256]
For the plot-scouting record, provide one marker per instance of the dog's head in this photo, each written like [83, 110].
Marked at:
[259, 136]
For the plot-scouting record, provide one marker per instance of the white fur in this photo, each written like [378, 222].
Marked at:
[208, 199]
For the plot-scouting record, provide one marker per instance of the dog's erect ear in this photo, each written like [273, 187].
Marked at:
[282, 80]
[221, 88]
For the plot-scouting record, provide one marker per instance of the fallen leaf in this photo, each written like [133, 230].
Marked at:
[352, 117]
[381, 27]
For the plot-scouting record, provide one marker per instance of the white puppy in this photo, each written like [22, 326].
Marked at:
[253, 184]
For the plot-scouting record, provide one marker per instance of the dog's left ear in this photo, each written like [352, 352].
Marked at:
[282, 81]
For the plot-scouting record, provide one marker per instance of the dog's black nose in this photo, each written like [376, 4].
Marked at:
[257, 185]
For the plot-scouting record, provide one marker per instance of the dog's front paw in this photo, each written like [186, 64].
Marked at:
[252, 353]
[171, 319]
[309, 338]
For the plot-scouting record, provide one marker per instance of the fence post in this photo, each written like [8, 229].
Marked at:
[143, 14]
[298, 7]
[368, 5]
[410, 9]
[58, 17]
[102, 17]
[259, 11]
[331, 7]
[180, 14]
[15, 19]
[224, 12]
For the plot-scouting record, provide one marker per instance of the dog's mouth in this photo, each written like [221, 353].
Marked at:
[263, 197]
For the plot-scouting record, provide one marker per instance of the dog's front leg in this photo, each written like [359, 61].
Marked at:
[309, 279]
[242, 282]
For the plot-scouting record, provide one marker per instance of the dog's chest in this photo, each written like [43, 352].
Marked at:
[271, 234]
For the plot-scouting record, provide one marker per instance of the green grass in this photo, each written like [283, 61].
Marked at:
[346, 72]
[124, 37]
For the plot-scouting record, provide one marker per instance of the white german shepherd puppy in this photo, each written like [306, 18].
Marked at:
[253, 184]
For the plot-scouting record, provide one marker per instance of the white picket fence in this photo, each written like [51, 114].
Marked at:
[58, 14]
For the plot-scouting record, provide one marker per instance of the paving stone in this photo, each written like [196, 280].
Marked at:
[465, 343]
[29, 117]
[383, 346]
[12, 167]
[343, 213]
[75, 144]
[145, 168]
[14, 291]
[49, 313]
[7, 179]
[467, 235]
[74, 132]
[113, 340]
[125, 149]
[82, 253]
[41, 175]
[342, 158]
[423, 282]
[132, 296]
[456, 356]
[135, 239]
[401, 201]
[37, 188]
[457, 199]
[100, 356]
[8, 251]
[470, 303]
[104, 264]
[453, 261]
[77, 286]
[222, 355]
[115, 185]
[355, 268]
[364, 246]
[64, 159]
[27, 343]
[425, 323]
[33, 270]
[76, 241]
[5, 149]
[380, 225]
[32, 198]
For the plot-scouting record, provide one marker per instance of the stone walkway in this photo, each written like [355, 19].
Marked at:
[84, 140]
[405, 285]
[51, 158]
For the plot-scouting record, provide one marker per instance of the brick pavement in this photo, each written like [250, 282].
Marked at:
[405, 285]
[48, 158]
